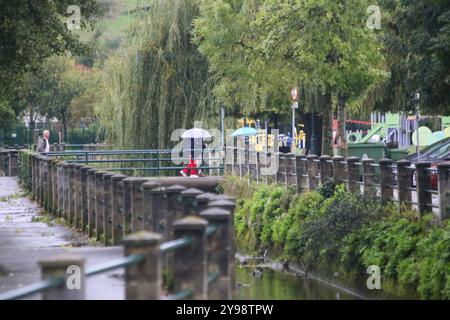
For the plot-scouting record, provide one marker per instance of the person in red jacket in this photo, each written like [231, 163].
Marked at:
[190, 170]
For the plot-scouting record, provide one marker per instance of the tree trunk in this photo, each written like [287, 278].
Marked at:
[342, 138]
[64, 121]
[327, 121]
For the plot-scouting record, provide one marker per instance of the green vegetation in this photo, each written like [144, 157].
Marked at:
[158, 82]
[331, 230]
[31, 32]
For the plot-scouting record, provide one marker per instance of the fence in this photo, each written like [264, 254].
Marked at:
[182, 229]
[419, 185]
[145, 162]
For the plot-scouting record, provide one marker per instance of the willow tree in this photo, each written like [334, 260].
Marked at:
[159, 82]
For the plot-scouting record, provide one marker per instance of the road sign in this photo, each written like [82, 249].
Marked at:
[294, 105]
[294, 94]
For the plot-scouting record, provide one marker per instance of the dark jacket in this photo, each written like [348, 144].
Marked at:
[41, 145]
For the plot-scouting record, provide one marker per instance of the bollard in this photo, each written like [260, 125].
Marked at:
[77, 196]
[134, 204]
[190, 264]
[144, 280]
[423, 182]
[404, 184]
[159, 211]
[444, 191]
[313, 171]
[99, 205]
[91, 201]
[174, 206]
[65, 181]
[353, 175]
[290, 169]
[137, 204]
[84, 198]
[71, 194]
[40, 198]
[45, 183]
[49, 189]
[148, 222]
[281, 173]
[203, 200]
[189, 202]
[3, 157]
[229, 159]
[107, 199]
[300, 171]
[33, 175]
[70, 268]
[126, 206]
[338, 170]
[60, 177]
[325, 168]
[386, 180]
[13, 162]
[117, 217]
[370, 190]
[229, 205]
[54, 203]
[218, 251]
[252, 155]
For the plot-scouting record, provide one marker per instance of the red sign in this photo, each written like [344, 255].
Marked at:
[294, 94]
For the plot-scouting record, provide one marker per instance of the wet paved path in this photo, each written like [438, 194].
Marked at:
[24, 239]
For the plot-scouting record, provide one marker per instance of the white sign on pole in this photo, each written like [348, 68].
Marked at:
[294, 105]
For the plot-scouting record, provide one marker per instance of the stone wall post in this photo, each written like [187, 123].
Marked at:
[148, 222]
[174, 206]
[13, 162]
[60, 193]
[84, 198]
[338, 170]
[3, 157]
[353, 175]
[127, 186]
[71, 194]
[444, 191]
[107, 198]
[218, 251]
[77, 196]
[137, 204]
[423, 182]
[143, 281]
[313, 171]
[300, 171]
[326, 169]
[99, 205]
[65, 212]
[189, 201]
[404, 183]
[117, 209]
[190, 263]
[160, 211]
[64, 267]
[91, 201]
[386, 180]
[370, 190]
[54, 204]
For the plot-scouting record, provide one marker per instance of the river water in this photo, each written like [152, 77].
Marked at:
[278, 285]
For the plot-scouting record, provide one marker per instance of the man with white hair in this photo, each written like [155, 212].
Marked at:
[43, 144]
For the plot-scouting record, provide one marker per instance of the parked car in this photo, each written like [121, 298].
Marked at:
[434, 154]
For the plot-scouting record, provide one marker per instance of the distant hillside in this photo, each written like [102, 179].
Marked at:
[111, 29]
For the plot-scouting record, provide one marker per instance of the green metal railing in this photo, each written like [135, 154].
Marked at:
[124, 262]
[148, 161]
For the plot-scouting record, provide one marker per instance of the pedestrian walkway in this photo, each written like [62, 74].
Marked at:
[27, 236]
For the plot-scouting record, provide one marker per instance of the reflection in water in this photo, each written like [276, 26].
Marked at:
[276, 285]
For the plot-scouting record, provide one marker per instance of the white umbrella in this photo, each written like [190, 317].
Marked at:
[196, 133]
